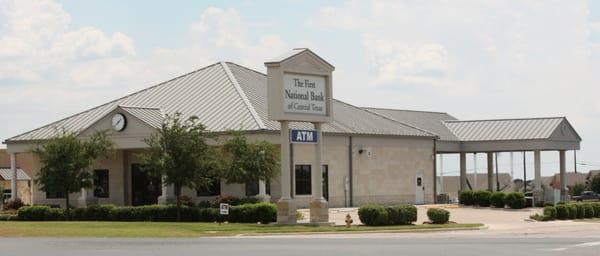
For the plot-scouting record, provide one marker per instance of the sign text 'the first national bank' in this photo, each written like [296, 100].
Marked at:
[304, 94]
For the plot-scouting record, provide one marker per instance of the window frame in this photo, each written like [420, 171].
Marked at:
[303, 184]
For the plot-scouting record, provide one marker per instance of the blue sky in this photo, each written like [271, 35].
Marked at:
[472, 59]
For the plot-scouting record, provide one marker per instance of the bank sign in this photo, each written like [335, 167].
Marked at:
[304, 94]
[304, 136]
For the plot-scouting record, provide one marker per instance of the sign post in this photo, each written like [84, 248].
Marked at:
[299, 89]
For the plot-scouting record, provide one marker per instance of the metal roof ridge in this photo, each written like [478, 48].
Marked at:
[408, 110]
[126, 106]
[242, 95]
[503, 119]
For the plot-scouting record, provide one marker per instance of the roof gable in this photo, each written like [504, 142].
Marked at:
[504, 129]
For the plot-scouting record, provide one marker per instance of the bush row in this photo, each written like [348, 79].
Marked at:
[378, 215]
[484, 198]
[247, 213]
[569, 211]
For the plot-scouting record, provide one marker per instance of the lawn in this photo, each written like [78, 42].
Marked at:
[170, 229]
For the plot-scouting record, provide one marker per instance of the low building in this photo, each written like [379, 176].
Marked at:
[369, 155]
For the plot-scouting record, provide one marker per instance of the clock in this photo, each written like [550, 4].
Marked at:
[119, 122]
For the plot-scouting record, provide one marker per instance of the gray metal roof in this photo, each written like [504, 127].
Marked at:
[426, 120]
[6, 174]
[224, 96]
[505, 129]
[151, 116]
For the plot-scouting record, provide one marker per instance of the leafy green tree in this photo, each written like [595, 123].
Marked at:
[65, 161]
[179, 153]
[249, 162]
[577, 189]
[594, 183]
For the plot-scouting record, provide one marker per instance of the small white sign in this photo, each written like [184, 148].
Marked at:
[304, 94]
[224, 209]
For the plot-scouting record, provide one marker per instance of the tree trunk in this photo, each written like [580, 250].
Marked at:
[67, 212]
[177, 194]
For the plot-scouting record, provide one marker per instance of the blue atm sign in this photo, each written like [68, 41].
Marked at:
[304, 136]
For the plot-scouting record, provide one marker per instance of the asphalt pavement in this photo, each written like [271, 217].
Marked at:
[438, 244]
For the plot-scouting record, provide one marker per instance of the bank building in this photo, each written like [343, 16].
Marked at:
[369, 155]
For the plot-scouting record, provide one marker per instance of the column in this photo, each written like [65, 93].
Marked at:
[13, 182]
[168, 193]
[537, 166]
[538, 193]
[490, 171]
[463, 171]
[262, 192]
[319, 210]
[563, 176]
[86, 198]
[442, 191]
[475, 184]
[286, 208]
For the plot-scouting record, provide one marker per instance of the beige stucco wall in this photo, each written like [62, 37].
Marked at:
[385, 175]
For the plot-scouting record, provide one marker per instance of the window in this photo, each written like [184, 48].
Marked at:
[326, 182]
[252, 188]
[303, 185]
[52, 194]
[101, 184]
[213, 190]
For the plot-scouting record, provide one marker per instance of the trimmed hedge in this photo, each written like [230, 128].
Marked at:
[373, 215]
[580, 211]
[562, 212]
[497, 199]
[438, 216]
[482, 198]
[40, 213]
[247, 213]
[466, 197]
[588, 211]
[550, 212]
[596, 207]
[515, 200]
[572, 211]
[378, 215]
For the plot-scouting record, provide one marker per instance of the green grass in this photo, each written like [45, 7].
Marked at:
[170, 229]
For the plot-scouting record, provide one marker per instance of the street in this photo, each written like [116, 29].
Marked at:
[576, 240]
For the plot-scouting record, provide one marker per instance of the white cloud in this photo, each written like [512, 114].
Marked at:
[476, 59]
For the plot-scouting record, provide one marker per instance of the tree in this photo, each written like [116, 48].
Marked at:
[249, 162]
[594, 183]
[65, 160]
[577, 189]
[180, 155]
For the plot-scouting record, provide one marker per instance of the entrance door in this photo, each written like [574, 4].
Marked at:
[144, 189]
[419, 189]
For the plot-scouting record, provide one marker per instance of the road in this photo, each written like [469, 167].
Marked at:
[483, 242]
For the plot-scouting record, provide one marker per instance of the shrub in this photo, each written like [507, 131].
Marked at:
[373, 215]
[13, 204]
[550, 212]
[548, 204]
[466, 197]
[580, 211]
[497, 199]
[596, 207]
[401, 214]
[515, 200]
[93, 212]
[205, 204]
[234, 201]
[39, 213]
[438, 216]
[252, 213]
[588, 211]
[540, 217]
[572, 211]
[562, 212]
[482, 198]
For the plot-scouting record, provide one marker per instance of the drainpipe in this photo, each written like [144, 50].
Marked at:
[435, 171]
[350, 167]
